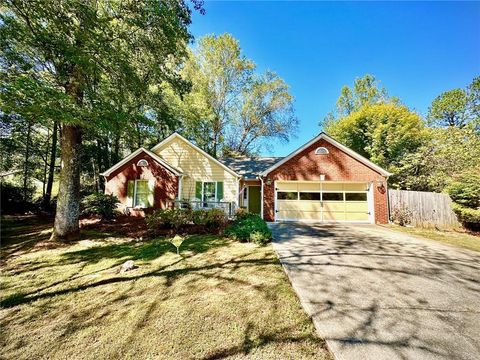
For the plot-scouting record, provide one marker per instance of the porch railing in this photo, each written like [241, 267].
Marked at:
[229, 207]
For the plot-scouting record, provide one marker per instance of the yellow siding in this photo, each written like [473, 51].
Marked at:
[197, 167]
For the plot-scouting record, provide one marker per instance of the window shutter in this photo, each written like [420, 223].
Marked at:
[198, 190]
[151, 194]
[130, 192]
[219, 190]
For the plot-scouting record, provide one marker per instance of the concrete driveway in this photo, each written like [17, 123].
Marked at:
[374, 293]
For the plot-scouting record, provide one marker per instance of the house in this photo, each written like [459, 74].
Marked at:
[321, 181]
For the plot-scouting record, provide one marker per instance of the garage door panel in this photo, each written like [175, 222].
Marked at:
[299, 205]
[334, 206]
[289, 214]
[342, 201]
[357, 206]
[310, 206]
[333, 216]
[287, 205]
[356, 216]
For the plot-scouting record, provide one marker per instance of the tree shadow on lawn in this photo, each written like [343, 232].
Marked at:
[133, 250]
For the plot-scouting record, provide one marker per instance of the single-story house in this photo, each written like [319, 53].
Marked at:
[321, 181]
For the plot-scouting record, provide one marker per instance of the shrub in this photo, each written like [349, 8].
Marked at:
[464, 189]
[12, 200]
[199, 217]
[241, 212]
[216, 219]
[168, 219]
[402, 215]
[250, 227]
[470, 218]
[99, 204]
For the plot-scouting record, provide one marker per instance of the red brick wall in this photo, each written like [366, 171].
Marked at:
[166, 183]
[337, 166]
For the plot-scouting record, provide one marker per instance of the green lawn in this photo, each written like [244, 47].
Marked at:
[452, 237]
[219, 299]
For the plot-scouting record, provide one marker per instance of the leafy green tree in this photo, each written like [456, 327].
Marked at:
[474, 102]
[231, 108]
[63, 56]
[365, 91]
[449, 109]
[383, 133]
[444, 153]
[266, 113]
[457, 107]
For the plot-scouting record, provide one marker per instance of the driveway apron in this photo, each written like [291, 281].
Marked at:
[374, 293]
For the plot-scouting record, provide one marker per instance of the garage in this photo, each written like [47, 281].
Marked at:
[320, 201]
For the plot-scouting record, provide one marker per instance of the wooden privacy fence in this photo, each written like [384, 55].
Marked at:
[427, 209]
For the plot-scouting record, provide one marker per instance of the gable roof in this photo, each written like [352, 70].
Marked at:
[177, 135]
[135, 153]
[335, 143]
[248, 167]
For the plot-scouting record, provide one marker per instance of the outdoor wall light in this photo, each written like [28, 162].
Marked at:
[268, 182]
[322, 177]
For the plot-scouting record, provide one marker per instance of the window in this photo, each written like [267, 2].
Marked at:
[356, 196]
[321, 151]
[142, 162]
[140, 193]
[333, 196]
[209, 191]
[309, 196]
[290, 195]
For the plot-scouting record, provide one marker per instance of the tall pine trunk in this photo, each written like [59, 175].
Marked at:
[51, 169]
[26, 165]
[68, 202]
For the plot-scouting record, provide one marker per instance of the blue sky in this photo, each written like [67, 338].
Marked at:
[416, 50]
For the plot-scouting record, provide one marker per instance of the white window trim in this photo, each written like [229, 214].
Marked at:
[139, 161]
[135, 192]
[322, 150]
[203, 189]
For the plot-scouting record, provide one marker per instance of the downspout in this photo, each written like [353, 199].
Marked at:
[388, 199]
[180, 182]
[261, 195]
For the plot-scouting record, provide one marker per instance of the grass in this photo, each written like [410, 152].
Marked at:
[451, 237]
[217, 299]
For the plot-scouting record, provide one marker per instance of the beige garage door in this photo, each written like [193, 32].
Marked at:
[322, 201]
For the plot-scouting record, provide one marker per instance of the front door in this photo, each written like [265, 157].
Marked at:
[254, 199]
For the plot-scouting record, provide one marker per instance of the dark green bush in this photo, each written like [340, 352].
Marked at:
[168, 219]
[99, 204]
[12, 199]
[470, 218]
[250, 227]
[465, 189]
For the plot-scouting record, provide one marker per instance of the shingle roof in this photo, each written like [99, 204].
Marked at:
[249, 168]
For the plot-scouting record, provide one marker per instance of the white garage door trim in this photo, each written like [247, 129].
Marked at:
[368, 191]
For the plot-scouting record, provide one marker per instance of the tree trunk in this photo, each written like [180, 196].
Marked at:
[68, 203]
[45, 164]
[26, 167]
[51, 170]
